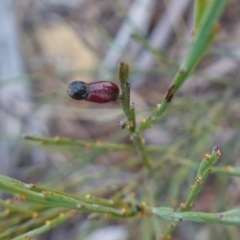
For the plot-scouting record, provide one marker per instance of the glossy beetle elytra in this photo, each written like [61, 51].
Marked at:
[98, 92]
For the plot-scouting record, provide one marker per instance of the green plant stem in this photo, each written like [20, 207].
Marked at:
[30, 224]
[125, 97]
[204, 169]
[15, 209]
[199, 7]
[225, 170]
[49, 224]
[231, 217]
[228, 170]
[141, 148]
[53, 199]
[60, 141]
[203, 39]
[129, 112]
[12, 222]
[39, 189]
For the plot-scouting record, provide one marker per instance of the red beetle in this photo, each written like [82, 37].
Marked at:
[98, 92]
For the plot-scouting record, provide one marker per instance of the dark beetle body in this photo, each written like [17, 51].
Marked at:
[102, 92]
[98, 92]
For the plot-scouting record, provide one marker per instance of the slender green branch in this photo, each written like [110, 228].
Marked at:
[53, 199]
[139, 143]
[129, 111]
[60, 141]
[49, 224]
[125, 97]
[199, 8]
[231, 217]
[88, 198]
[8, 204]
[107, 146]
[33, 222]
[208, 29]
[225, 170]
[204, 169]
[228, 170]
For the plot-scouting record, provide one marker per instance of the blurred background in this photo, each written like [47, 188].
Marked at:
[47, 44]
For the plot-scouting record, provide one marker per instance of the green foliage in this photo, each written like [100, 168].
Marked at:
[231, 217]
[39, 209]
